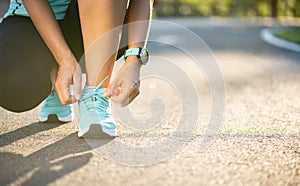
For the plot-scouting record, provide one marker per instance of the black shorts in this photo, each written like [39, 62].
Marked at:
[25, 60]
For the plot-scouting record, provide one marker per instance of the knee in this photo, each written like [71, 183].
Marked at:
[24, 93]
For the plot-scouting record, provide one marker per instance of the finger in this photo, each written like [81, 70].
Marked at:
[61, 95]
[135, 88]
[133, 95]
[135, 91]
[123, 98]
[108, 91]
[111, 89]
[65, 91]
[77, 79]
[71, 100]
[126, 100]
[117, 91]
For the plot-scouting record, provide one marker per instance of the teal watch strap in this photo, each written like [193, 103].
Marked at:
[132, 52]
[141, 53]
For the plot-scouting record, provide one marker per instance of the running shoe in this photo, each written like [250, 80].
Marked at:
[52, 106]
[95, 114]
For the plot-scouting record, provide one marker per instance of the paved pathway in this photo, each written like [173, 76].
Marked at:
[258, 143]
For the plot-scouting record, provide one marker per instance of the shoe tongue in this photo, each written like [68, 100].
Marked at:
[88, 92]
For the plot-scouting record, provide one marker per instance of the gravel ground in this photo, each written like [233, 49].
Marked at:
[257, 144]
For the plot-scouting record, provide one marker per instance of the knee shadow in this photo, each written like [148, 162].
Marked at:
[10, 137]
[47, 164]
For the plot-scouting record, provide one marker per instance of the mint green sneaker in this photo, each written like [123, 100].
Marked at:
[95, 114]
[52, 106]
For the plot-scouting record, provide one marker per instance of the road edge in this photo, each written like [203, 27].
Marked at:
[268, 36]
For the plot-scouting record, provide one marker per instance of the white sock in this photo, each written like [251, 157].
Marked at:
[89, 87]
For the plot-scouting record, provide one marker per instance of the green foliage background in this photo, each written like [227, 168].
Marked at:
[240, 8]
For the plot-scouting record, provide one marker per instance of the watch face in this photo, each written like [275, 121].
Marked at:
[144, 56]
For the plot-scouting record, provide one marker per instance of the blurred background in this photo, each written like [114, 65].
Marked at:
[282, 12]
[228, 8]
[224, 8]
[268, 13]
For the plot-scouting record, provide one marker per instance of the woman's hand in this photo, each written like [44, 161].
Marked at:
[125, 87]
[69, 72]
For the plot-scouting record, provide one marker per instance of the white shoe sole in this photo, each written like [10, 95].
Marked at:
[96, 131]
[66, 119]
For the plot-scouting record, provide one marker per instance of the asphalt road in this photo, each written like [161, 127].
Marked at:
[258, 142]
[3, 7]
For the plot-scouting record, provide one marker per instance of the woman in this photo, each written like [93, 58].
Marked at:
[53, 39]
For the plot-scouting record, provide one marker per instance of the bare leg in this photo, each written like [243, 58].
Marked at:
[97, 18]
[139, 11]
[125, 86]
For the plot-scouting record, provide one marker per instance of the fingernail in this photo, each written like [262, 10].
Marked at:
[78, 97]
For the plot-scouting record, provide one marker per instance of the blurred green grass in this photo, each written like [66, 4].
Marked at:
[292, 34]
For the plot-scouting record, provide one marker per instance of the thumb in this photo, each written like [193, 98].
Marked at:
[77, 78]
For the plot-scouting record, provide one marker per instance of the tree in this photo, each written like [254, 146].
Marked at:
[274, 6]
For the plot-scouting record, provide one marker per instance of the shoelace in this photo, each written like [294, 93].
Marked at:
[101, 103]
[51, 100]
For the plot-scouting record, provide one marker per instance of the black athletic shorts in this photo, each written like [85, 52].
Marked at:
[26, 61]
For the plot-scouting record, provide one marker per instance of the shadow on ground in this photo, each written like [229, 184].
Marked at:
[48, 163]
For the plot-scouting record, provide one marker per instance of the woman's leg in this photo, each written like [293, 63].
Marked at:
[97, 18]
[25, 65]
[71, 30]
[98, 22]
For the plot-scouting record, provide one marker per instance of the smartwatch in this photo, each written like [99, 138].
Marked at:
[141, 53]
